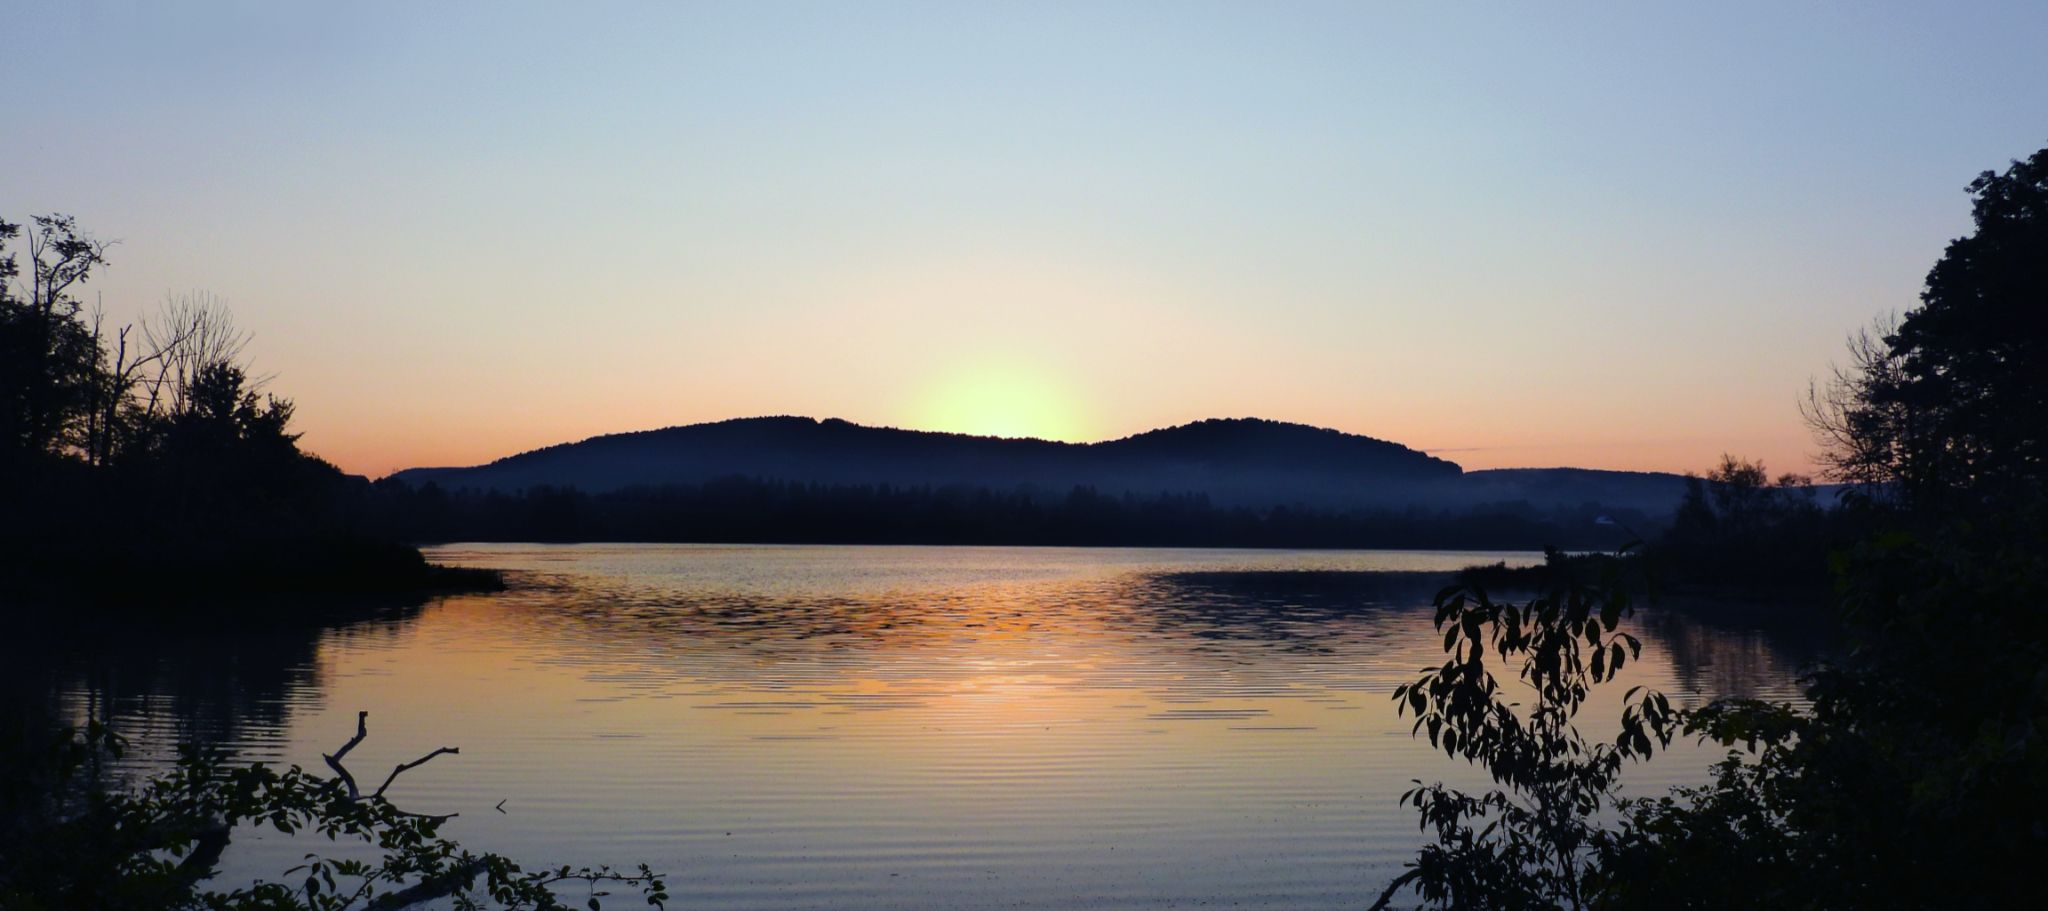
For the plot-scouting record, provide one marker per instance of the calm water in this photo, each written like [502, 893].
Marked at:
[889, 727]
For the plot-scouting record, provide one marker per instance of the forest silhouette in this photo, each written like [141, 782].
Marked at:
[145, 460]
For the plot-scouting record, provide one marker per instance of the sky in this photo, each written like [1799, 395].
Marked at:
[1612, 236]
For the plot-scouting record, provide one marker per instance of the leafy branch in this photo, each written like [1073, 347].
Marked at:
[155, 846]
[1527, 843]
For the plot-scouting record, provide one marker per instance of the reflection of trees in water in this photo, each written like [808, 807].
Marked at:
[1295, 610]
[1715, 655]
[1712, 648]
[164, 679]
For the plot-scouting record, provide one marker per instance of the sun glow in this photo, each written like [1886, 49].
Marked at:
[1004, 399]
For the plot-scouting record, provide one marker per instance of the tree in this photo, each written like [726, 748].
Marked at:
[50, 359]
[1863, 428]
[1952, 401]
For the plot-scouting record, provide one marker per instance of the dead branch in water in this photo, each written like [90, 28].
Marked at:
[347, 780]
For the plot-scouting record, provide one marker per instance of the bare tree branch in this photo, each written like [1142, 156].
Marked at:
[334, 761]
[404, 767]
[190, 333]
[347, 780]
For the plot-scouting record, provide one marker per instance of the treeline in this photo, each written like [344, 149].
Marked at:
[750, 510]
[146, 459]
[1738, 528]
[1737, 532]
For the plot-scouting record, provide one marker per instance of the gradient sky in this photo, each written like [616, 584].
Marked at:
[1535, 234]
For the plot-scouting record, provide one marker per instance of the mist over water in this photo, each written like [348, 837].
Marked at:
[896, 727]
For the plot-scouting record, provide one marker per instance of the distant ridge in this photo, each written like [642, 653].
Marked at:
[1235, 461]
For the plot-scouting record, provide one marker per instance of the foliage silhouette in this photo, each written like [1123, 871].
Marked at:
[68, 843]
[1527, 843]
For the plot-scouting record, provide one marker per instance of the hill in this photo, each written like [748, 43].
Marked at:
[1238, 461]
[1244, 461]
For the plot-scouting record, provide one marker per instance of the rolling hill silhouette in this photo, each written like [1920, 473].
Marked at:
[1244, 461]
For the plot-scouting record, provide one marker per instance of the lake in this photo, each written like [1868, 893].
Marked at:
[886, 727]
